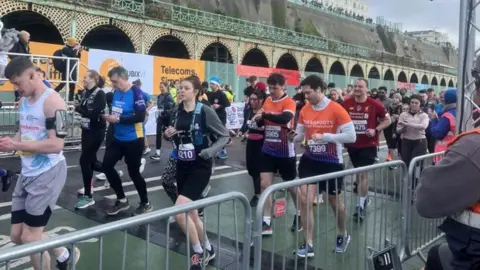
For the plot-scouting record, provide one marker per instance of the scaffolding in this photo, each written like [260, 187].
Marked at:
[468, 73]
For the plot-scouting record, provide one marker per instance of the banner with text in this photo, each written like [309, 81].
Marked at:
[292, 76]
[171, 69]
[45, 63]
[139, 66]
[408, 86]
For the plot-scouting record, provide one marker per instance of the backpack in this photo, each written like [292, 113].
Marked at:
[58, 64]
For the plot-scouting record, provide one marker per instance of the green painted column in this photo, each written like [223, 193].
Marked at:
[73, 26]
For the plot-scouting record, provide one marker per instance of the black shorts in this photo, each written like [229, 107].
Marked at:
[362, 157]
[287, 167]
[21, 216]
[391, 142]
[193, 178]
[309, 167]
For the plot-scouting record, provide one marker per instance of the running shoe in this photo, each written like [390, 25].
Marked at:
[342, 243]
[7, 180]
[359, 214]
[196, 261]
[84, 202]
[222, 155]
[200, 212]
[118, 207]
[266, 229]
[206, 191]
[210, 256]
[103, 177]
[68, 264]
[142, 209]
[294, 224]
[318, 200]
[305, 250]
[143, 162]
[172, 219]
[254, 201]
[147, 150]
[230, 141]
[155, 157]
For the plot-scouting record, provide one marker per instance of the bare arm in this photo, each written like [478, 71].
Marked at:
[53, 144]
[384, 123]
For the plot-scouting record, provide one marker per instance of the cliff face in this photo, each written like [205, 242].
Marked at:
[284, 14]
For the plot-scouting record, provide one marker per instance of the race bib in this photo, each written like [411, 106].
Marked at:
[252, 124]
[85, 122]
[158, 113]
[117, 111]
[272, 134]
[186, 152]
[317, 148]
[360, 126]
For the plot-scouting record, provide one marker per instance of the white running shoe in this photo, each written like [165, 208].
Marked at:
[172, 220]
[147, 150]
[143, 162]
[318, 200]
[103, 177]
[205, 191]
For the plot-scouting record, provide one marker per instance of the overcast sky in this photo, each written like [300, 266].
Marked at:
[442, 15]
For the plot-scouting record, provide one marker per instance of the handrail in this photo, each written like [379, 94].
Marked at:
[199, 19]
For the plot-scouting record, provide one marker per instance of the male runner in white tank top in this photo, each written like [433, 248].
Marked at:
[44, 170]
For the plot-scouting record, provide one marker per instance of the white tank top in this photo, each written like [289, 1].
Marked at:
[32, 127]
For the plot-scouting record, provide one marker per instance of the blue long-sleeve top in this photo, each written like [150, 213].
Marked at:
[439, 128]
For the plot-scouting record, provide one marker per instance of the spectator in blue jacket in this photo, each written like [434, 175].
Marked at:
[442, 126]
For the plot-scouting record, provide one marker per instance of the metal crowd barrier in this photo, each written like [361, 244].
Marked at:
[73, 238]
[384, 224]
[422, 232]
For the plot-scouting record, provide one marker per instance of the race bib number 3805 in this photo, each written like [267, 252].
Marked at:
[272, 134]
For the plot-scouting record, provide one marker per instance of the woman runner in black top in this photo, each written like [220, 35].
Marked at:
[255, 136]
[191, 133]
[91, 109]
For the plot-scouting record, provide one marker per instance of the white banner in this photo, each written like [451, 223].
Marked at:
[139, 66]
[235, 115]
[151, 123]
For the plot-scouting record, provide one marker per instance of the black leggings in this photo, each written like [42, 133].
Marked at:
[412, 149]
[254, 159]
[133, 152]
[158, 139]
[91, 142]
[71, 86]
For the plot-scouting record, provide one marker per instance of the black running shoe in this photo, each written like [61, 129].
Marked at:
[294, 224]
[7, 181]
[118, 207]
[142, 209]
[254, 201]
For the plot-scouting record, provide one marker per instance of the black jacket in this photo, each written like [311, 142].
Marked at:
[19, 47]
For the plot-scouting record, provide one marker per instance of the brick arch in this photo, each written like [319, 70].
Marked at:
[133, 31]
[279, 52]
[86, 23]
[152, 34]
[7, 7]
[250, 47]
[204, 45]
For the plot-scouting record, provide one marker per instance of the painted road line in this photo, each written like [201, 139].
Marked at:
[8, 216]
[151, 179]
[225, 175]
[130, 193]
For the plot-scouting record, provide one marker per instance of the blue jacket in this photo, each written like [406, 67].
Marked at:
[439, 128]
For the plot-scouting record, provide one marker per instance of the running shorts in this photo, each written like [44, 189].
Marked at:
[309, 167]
[362, 157]
[193, 178]
[34, 198]
[287, 167]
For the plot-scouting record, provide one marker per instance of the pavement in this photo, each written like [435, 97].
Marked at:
[224, 223]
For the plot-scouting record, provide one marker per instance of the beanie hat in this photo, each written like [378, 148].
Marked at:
[261, 86]
[450, 96]
[215, 80]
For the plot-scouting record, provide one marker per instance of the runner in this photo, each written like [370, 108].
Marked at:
[44, 169]
[365, 112]
[326, 126]
[219, 102]
[277, 116]
[255, 137]
[165, 105]
[191, 133]
[91, 108]
[128, 109]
